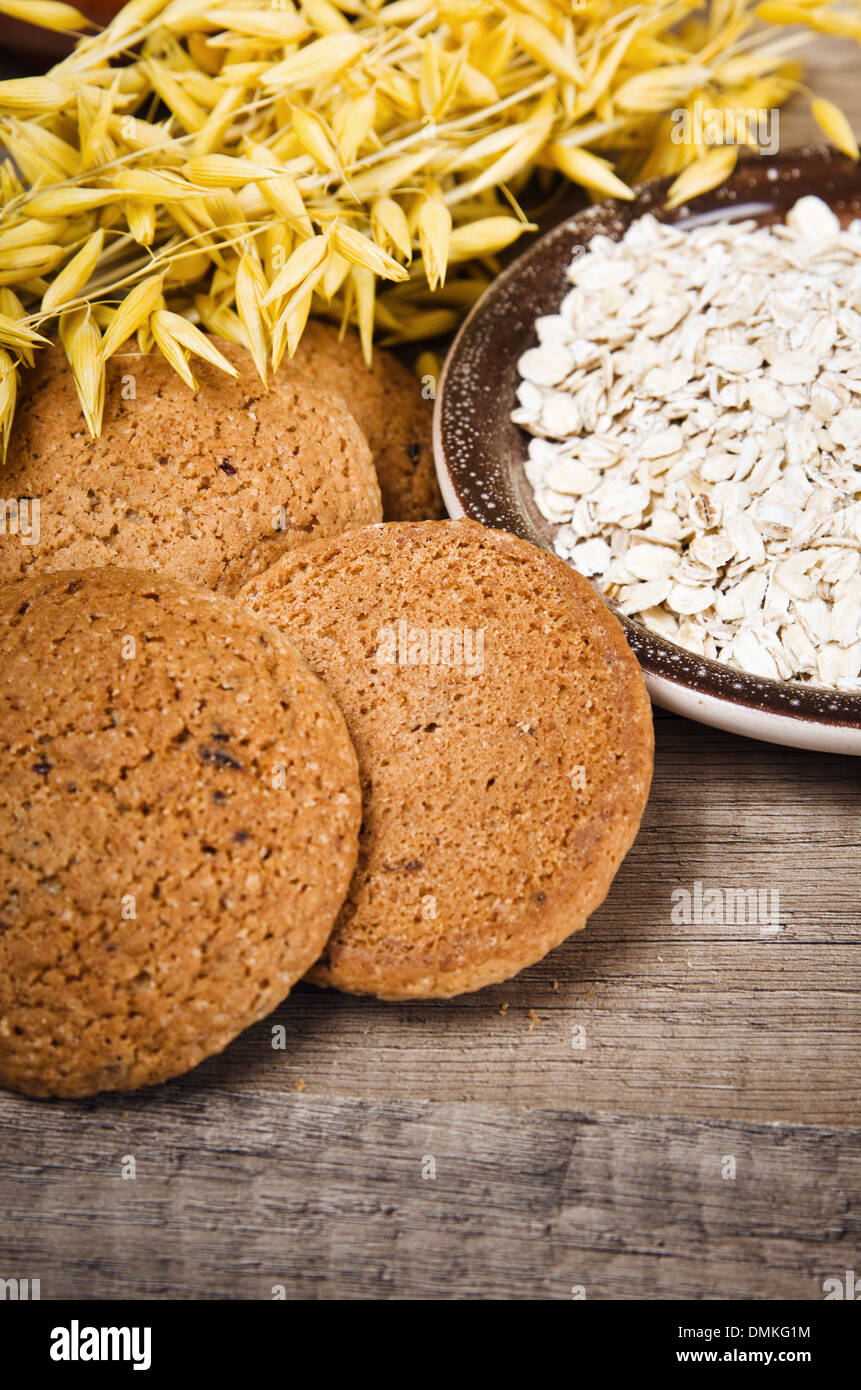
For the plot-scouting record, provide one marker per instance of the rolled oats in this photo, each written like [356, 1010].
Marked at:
[695, 413]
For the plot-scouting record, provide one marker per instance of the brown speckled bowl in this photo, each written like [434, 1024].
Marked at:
[480, 452]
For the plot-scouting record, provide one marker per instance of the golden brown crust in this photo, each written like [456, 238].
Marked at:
[386, 401]
[210, 487]
[498, 802]
[179, 811]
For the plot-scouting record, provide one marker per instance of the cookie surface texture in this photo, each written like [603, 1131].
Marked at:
[179, 813]
[209, 486]
[386, 400]
[505, 746]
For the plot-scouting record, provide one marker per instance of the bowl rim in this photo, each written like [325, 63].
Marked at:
[750, 191]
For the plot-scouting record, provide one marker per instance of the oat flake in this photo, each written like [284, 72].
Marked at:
[695, 413]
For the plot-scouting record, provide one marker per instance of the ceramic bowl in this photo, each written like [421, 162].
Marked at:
[480, 452]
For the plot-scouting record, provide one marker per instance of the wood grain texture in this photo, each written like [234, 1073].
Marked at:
[237, 1192]
[556, 1165]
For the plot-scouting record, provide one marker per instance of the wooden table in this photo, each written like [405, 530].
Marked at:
[703, 1142]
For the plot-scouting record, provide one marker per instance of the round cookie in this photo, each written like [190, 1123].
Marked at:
[179, 812]
[209, 486]
[387, 402]
[505, 746]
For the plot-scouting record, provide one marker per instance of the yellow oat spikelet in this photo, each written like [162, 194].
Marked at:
[47, 14]
[74, 275]
[178, 162]
[835, 125]
[593, 172]
[703, 175]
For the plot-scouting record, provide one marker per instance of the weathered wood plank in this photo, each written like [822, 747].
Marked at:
[238, 1192]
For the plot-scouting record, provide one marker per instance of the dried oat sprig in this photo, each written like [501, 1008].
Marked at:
[238, 165]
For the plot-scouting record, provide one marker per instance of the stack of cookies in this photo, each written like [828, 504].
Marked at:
[265, 716]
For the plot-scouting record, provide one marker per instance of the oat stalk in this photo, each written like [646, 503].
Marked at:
[240, 164]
